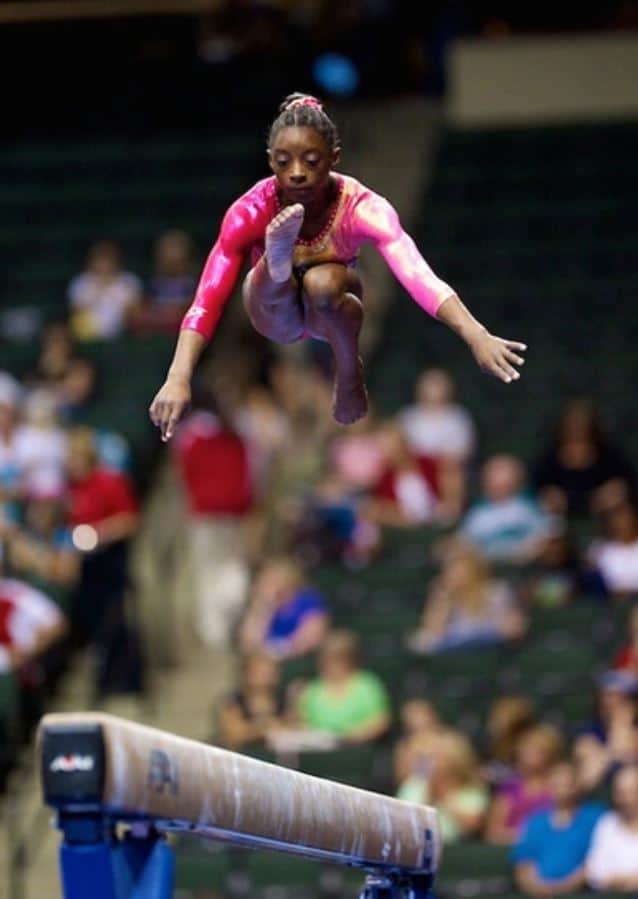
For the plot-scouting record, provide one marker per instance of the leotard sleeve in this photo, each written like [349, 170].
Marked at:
[377, 222]
[240, 228]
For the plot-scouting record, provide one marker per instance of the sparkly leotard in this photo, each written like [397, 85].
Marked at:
[357, 216]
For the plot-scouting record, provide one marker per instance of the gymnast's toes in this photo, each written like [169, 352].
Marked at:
[281, 235]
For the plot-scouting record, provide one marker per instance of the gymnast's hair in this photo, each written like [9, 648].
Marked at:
[304, 111]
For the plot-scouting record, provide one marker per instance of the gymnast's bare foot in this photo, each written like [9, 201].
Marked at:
[350, 397]
[281, 235]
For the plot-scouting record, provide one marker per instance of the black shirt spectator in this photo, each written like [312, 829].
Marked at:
[581, 471]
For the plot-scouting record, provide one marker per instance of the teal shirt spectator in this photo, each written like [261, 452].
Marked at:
[502, 529]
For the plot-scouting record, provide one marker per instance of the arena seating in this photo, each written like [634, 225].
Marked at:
[535, 229]
[542, 250]
[60, 196]
[128, 188]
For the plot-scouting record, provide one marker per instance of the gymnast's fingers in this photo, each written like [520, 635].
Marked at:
[512, 357]
[499, 370]
[155, 412]
[512, 374]
[171, 424]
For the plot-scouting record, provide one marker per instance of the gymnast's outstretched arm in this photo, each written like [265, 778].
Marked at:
[376, 221]
[215, 285]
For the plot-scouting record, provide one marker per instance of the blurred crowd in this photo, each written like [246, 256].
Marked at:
[271, 491]
[505, 545]
[69, 507]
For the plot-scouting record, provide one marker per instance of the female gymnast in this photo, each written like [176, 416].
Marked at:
[303, 227]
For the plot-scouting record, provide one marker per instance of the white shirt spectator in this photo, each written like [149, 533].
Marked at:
[446, 432]
[618, 564]
[613, 851]
[414, 496]
[40, 450]
[24, 614]
[105, 303]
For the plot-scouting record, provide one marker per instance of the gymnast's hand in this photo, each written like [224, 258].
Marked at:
[496, 356]
[170, 404]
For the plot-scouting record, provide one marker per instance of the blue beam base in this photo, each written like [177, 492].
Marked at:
[95, 864]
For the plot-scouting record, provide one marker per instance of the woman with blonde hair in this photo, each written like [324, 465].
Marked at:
[448, 777]
[466, 605]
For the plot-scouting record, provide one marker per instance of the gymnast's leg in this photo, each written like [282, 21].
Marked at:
[331, 298]
[271, 292]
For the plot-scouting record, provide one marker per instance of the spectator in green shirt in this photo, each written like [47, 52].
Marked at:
[345, 699]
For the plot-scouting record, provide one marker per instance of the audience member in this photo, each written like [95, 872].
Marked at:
[213, 576]
[549, 856]
[507, 525]
[615, 557]
[420, 723]
[448, 777]
[558, 575]
[75, 390]
[406, 495]
[170, 288]
[581, 471]
[103, 296]
[286, 618]
[612, 738]
[345, 700]
[626, 658]
[436, 427]
[332, 525]
[527, 792]
[256, 707]
[305, 395]
[335, 523]
[466, 607]
[173, 281]
[357, 457]
[44, 440]
[612, 861]
[30, 623]
[41, 548]
[55, 356]
[508, 718]
[13, 445]
[265, 429]
[103, 512]
[440, 431]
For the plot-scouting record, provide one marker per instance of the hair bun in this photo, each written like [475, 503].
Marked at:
[295, 100]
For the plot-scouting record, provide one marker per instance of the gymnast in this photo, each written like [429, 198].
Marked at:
[302, 228]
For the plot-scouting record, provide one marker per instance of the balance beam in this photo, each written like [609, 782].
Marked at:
[105, 770]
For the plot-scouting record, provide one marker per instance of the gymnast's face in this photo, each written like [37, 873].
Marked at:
[301, 160]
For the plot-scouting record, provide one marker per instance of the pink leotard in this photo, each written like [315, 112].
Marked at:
[358, 216]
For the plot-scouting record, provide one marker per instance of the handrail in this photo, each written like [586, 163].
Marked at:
[32, 11]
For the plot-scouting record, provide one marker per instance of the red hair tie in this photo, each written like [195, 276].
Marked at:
[306, 101]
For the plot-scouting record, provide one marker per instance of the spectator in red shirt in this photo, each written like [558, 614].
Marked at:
[30, 623]
[627, 656]
[32, 635]
[214, 469]
[406, 495]
[103, 513]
